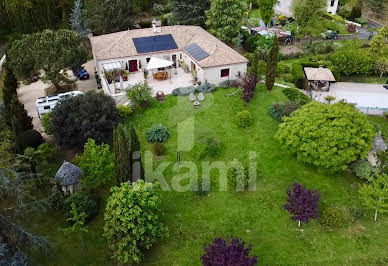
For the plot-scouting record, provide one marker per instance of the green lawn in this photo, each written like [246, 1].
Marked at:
[257, 217]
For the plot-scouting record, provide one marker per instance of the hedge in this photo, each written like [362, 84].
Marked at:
[298, 74]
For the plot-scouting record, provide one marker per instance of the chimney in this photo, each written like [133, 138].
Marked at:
[156, 25]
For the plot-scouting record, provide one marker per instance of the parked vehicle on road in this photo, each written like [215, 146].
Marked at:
[329, 35]
[284, 37]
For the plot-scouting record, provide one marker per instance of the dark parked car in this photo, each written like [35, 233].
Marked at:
[330, 35]
[81, 73]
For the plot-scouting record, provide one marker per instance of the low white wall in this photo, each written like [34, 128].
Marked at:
[213, 75]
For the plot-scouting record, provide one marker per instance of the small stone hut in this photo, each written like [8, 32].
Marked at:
[67, 177]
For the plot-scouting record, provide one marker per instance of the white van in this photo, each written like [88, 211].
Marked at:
[45, 105]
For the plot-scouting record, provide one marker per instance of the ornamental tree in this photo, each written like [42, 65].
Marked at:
[133, 220]
[51, 51]
[97, 165]
[272, 65]
[225, 18]
[77, 19]
[302, 203]
[374, 195]
[267, 9]
[327, 136]
[220, 252]
[76, 119]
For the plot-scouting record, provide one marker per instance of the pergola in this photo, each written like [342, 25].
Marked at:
[319, 78]
[157, 63]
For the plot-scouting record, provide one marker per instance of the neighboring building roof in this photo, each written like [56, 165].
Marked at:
[379, 144]
[120, 44]
[319, 73]
[68, 174]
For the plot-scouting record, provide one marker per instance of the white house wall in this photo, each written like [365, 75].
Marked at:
[284, 7]
[213, 75]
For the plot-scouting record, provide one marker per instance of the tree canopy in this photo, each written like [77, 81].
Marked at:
[267, 9]
[327, 136]
[305, 10]
[189, 12]
[76, 119]
[51, 51]
[133, 220]
[225, 18]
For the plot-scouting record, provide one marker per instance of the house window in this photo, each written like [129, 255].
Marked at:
[332, 2]
[224, 72]
[148, 59]
[46, 108]
[180, 56]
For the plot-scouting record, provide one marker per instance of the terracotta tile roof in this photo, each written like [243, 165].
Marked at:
[319, 73]
[120, 44]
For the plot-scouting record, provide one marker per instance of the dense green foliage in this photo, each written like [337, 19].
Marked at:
[79, 118]
[327, 136]
[349, 59]
[267, 9]
[29, 138]
[106, 16]
[374, 195]
[272, 65]
[126, 149]
[296, 95]
[133, 220]
[244, 119]
[225, 18]
[139, 95]
[332, 217]
[84, 202]
[305, 10]
[124, 111]
[52, 51]
[47, 124]
[157, 134]
[275, 111]
[97, 165]
[189, 12]
[364, 169]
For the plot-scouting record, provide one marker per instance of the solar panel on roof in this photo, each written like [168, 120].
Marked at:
[197, 52]
[154, 43]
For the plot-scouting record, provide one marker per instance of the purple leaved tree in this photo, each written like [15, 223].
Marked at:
[223, 253]
[302, 203]
[248, 86]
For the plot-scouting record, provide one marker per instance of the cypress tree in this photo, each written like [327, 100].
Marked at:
[272, 64]
[126, 147]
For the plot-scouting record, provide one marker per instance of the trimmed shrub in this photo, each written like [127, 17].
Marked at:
[212, 148]
[327, 136]
[332, 217]
[157, 134]
[140, 95]
[299, 78]
[237, 175]
[84, 202]
[275, 111]
[47, 123]
[29, 138]
[244, 119]
[125, 111]
[364, 169]
[297, 96]
[289, 107]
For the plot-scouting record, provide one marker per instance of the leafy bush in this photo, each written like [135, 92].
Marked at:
[157, 134]
[92, 115]
[364, 169]
[47, 123]
[47, 151]
[283, 68]
[362, 21]
[133, 220]
[330, 16]
[351, 27]
[288, 108]
[201, 186]
[84, 202]
[145, 24]
[139, 95]
[297, 96]
[237, 175]
[125, 111]
[212, 148]
[97, 165]
[299, 78]
[158, 9]
[229, 84]
[244, 119]
[332, 217]
[29, 138]
[220, 252]
[205, 88]
[56, 200]
[327, 136]
[275, 111]
[344, 12]
[351, 60]
[320, 48]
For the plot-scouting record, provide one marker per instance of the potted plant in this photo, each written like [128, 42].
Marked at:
[145, 73]
[125, 76]
[108, 76]
[139, 64]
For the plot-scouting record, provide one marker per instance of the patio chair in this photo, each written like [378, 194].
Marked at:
[201, 97]
[192, 97]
